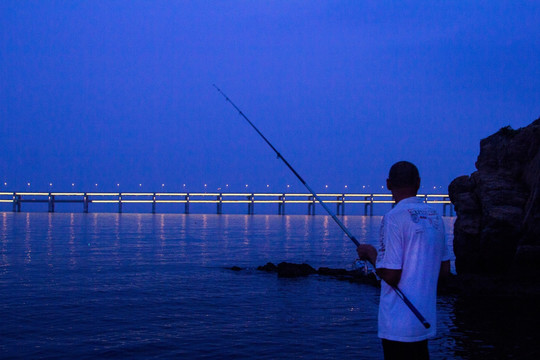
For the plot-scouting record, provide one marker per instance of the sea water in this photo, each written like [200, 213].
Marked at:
[144, 286]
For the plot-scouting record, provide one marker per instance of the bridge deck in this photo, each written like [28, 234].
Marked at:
[120, 198]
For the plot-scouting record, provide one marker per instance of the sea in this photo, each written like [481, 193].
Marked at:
[159, 286]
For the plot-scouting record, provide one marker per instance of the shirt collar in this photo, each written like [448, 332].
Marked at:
[412, 199]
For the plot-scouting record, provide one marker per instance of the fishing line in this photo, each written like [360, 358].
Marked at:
[341, 225]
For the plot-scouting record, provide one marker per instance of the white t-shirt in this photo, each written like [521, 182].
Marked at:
[412, 239]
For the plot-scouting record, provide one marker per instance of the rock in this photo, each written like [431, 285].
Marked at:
[236, 268]
[269, 267]
[290, 270]
[497, 229]
[285, 269]
[332, 272]
[491, 286]
[526, 260]
[355, 276]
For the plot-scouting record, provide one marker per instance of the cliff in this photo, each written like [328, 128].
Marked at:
[497, 229]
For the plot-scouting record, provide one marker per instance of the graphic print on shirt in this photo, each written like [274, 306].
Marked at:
[429, 215]
[382, 247]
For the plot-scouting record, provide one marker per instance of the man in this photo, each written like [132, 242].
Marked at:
[412, 255]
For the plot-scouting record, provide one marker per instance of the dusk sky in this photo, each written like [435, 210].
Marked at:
[120, 92]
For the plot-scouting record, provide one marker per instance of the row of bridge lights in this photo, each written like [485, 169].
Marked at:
[227, 186]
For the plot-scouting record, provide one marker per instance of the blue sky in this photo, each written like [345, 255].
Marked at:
[120, 92]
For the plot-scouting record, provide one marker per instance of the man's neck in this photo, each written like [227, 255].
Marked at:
[400, 194]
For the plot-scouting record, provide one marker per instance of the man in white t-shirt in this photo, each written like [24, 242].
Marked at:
[412, 255]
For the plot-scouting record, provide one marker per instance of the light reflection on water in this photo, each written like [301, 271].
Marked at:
[142, 285]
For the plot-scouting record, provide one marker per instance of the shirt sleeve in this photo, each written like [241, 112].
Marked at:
[390, 254]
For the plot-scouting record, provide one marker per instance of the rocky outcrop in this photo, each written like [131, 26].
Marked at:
[292, 270]
[498, 206]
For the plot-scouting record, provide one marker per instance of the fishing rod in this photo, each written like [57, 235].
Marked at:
[336, 219]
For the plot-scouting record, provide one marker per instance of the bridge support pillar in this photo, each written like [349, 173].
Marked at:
[51, 203]
[251, 204]
[281, 205]
[449, 206]
[368, 205]
[340, 206]
[220, 204]
[16, 203]
[311, 205]
[85, 203]
[186, 207]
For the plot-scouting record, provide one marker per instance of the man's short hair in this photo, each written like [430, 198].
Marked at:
[404, 174]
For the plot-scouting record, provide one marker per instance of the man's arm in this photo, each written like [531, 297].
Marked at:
[390, 276]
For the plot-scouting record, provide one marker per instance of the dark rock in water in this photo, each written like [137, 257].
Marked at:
[497, 229]
[356, 276]
[290, 270]
[269, 267]
[491, 286]
[333, 272]
[469, 285]
[285, 269]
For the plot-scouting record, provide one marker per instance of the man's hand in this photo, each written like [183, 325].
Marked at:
[367, 252]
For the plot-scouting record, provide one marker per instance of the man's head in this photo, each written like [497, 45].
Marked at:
[403, 177]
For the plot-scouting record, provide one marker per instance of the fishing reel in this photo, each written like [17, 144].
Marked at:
[363, 266]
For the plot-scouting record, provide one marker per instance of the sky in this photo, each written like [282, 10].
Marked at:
[119, 93]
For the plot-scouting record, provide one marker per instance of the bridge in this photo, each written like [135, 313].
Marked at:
[188, 200]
